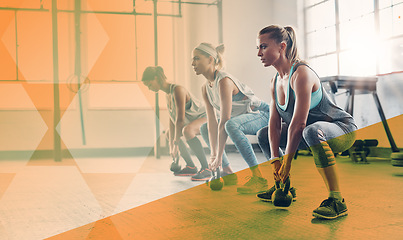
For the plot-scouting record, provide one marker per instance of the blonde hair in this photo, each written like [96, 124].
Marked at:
[208, 50]
[286, 34]
[151, 72]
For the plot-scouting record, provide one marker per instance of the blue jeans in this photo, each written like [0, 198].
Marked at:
[238, 127]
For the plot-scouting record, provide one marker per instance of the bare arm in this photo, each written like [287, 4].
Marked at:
[274, 133]
[302, 83]
[274, 125]
[212, 124]
[171, 135]
[227, 87]
[180, 94]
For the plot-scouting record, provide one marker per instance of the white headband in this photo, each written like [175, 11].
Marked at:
[207, 49]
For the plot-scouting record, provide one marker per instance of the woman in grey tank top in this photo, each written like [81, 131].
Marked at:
[186, 115]
[326, 128]
[232, 110]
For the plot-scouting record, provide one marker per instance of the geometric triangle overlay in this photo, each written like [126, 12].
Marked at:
[202, 213]
[108, 188]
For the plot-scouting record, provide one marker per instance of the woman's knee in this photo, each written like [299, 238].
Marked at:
[313, 135]
[231, 126]
[190, 131]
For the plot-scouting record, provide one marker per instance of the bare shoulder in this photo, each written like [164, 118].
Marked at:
[303, 76]
[225, 80]
[180, 90]
[180, 93]
[226, 83]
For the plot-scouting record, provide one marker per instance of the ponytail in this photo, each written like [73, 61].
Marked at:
[292, 51]
[220, 60]
[286, 34]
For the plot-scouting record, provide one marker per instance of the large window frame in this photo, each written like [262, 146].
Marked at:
[352, 37]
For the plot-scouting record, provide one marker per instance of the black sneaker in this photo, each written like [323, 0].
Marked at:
[229, 179]
[186, 171]
[331, 208]
[203, 175]
[265, 196]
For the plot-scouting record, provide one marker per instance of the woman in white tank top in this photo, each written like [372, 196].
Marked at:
[233, 110]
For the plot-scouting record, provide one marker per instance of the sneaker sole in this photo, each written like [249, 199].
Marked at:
[200, 179]
[185, 175]
[264, 199]
[250, 191]
[269, 200]
[317, 215]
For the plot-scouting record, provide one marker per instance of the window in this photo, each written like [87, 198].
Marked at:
[116, 45]
[354, 37]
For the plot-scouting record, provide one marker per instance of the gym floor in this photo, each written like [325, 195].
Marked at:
[139, 198]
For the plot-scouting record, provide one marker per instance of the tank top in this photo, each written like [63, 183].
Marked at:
[316, 96]
[325, 110]
[239, 105]
[194, 109]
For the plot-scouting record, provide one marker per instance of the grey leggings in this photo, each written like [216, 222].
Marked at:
[323, 138]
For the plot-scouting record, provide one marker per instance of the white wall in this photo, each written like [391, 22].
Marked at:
[241, 22]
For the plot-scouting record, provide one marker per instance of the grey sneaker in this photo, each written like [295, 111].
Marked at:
[331, 208]
[186, 171]
[266, 195]
[229, 179]
[203, 175]
[254, 185]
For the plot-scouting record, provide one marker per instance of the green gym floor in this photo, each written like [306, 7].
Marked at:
[139, 198]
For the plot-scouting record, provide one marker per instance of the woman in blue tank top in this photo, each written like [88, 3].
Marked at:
[309, 118]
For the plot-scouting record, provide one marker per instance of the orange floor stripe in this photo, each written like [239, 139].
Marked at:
[209, 214]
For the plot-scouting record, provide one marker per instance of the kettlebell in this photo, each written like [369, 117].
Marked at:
[175, 167]
[282, 196]
[216, 182]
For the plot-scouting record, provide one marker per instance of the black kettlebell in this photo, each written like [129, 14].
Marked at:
[282, 196]
[216, 183]
[175, 167]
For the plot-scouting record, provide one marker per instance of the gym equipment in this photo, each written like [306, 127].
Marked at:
[282, 196]
[175, 166]
[360, 150]
[397, 159]
[216, 183]
[363, 85]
